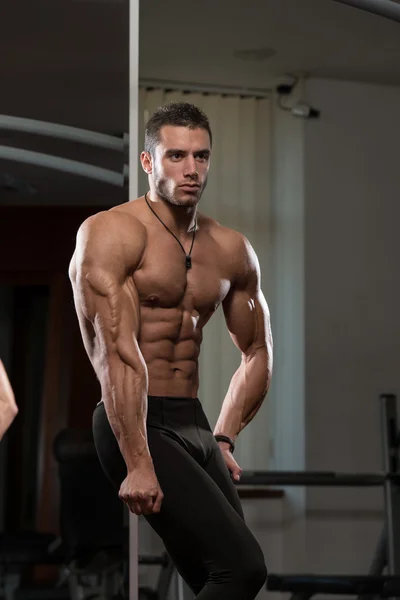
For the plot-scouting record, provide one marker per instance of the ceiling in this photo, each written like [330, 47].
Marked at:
[67, 61]
[321, 38]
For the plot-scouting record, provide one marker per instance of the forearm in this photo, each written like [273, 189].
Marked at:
[124, 393]
[8, 406]
[246, 393]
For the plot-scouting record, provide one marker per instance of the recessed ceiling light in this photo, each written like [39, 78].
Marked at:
[254, 54]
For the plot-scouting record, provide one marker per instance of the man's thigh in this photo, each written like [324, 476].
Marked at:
[197, 523]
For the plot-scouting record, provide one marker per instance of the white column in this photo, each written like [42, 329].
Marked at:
[133, 190]
[287, 395]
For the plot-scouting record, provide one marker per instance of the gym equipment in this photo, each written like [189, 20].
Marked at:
[92, 552]
[65, 132]
[19, 552]
[306, 586]
[94, 537]
[84, 136]
[312, 478]
[62, 164]
[388, 548]
[384, 8]
[91, 519]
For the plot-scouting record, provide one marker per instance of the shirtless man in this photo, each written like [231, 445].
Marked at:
[147, 276]
[8, 407]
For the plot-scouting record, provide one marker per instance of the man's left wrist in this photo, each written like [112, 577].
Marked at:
[224, 446]
[226, 440]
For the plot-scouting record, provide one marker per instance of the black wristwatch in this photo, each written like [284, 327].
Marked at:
[228, 440]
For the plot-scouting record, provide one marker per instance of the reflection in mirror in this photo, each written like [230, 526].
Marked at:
[64, 127]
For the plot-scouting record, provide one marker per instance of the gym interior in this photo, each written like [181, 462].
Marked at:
[303, 99]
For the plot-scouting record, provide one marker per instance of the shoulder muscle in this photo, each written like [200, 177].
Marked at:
[246, 268]
[109, 242]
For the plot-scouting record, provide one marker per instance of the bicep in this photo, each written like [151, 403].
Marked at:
[245, 308]
[247, 318]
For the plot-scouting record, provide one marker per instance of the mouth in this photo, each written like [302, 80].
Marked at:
[190, 187]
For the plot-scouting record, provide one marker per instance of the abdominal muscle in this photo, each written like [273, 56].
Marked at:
[170, 340]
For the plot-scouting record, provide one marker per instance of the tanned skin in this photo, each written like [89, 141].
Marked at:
[141, 312]
[8, 407]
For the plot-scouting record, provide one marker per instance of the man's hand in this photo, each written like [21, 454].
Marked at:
[141, 491]
[230, 462]
[8, 407]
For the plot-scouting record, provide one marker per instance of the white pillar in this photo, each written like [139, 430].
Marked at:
[287, 301]
[133, 190]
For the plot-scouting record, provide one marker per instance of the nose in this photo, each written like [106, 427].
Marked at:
[191, 167]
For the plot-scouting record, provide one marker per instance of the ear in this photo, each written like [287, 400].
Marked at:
[147, 162]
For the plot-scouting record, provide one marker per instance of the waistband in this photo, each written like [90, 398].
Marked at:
[174, 411]
[168, 398]
[173, 398]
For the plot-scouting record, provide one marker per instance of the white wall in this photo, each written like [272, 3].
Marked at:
[352, 184]
[335, 293]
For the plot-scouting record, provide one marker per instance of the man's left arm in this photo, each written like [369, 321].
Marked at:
[247, 317]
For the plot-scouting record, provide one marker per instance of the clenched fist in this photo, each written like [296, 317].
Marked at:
[141, 491]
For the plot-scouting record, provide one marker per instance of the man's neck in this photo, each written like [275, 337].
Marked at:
[180, 219]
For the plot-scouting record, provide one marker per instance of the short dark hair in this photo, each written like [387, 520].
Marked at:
[179, 114]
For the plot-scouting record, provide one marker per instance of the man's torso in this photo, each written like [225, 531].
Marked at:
[176, 302]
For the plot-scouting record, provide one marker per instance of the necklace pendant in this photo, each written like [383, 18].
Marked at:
[188, 261]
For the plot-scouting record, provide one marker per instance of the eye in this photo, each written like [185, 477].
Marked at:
[202, 156]
[176, 156]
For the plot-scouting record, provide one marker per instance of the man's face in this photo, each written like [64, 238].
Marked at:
[180, 164]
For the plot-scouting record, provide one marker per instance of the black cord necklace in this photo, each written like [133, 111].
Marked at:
[188, 256]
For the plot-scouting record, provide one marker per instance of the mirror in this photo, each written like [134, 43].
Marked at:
[64, 124]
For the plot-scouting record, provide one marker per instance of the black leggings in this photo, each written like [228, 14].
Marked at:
[201, 520]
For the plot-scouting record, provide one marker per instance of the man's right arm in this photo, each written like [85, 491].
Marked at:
[109, 248]
[8, 407]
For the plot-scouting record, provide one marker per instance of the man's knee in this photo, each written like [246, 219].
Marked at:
[251, 574]
[254, 572]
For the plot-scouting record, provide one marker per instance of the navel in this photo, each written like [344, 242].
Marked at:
[152, 299]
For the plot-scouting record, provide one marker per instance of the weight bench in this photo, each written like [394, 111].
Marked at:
[303, 587]
[94, 538]
[387, 554]
[21, 551]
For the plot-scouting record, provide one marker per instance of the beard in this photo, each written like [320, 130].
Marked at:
[166, 190]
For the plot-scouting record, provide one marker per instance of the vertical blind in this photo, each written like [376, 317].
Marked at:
[237, 196]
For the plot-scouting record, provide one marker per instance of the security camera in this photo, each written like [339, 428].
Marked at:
[304, 111]
[300, 109]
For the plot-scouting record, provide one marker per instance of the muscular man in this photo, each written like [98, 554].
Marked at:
[147, 276]
[8, 407]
